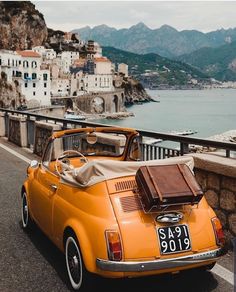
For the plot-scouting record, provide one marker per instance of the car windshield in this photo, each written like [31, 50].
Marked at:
[92, 144]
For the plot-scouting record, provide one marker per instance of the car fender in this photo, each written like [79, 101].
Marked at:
[84, 243]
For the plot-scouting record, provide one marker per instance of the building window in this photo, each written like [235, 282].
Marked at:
[34, 75]
[34, 84]
[34, 64]
[45, 92]
[96, 84]
[45, 84]
[26, 85]
[33, 93]
[45, 77]
[25, 64]
[26, 75]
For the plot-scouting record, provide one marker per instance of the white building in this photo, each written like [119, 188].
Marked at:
[60, 87]
[102, 65]
[35, 80]
[123, 69]
[66, 59]
[9, 64]
[88, 83]
[47, 54]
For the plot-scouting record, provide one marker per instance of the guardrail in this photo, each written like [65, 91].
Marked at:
[149, 152]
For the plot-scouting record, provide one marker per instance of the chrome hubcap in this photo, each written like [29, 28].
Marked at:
[75, 262]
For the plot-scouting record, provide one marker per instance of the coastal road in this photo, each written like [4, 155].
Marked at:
[30, 262]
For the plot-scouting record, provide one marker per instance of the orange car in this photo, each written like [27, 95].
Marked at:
[84, 197]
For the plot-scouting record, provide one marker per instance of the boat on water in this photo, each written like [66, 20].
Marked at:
[71, 115]
[184, 133]
[151, 141]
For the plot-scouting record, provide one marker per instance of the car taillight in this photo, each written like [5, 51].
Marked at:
[219, 234]
[113, 245]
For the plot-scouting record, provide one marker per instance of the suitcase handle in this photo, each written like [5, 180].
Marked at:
[154, 184]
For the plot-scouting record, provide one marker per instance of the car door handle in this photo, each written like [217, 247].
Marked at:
[53, 187]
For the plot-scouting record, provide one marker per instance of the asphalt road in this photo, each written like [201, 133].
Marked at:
[30, 262]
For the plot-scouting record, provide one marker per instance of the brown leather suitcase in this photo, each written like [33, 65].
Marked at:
[167, 185]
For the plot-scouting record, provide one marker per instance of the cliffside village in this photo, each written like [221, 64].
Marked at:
[81, 76]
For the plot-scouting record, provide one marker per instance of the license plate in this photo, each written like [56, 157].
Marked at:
[174, 239]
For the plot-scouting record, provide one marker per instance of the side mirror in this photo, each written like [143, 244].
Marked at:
[34, 163]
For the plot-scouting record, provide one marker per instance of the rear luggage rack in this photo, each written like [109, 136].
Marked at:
[162, 186]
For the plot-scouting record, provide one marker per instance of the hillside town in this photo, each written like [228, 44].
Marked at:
[81, 77]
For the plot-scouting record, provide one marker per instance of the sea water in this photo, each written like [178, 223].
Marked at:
[209, 112]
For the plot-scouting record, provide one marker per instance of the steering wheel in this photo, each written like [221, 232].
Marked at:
[65, 165]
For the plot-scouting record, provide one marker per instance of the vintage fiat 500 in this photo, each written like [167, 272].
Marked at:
[84, 196]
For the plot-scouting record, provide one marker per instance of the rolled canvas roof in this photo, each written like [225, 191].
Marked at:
[97, 171]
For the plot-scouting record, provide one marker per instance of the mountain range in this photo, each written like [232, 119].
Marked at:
[170, 72]
[165, 41]
[219, 63]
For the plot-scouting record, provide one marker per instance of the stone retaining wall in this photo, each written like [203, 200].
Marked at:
[17, 130]
[2, 124]
[42, 132]
[217, 177]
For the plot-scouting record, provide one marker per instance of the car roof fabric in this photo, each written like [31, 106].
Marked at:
[97, 171]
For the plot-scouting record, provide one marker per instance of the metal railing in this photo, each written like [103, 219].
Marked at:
[149, 151]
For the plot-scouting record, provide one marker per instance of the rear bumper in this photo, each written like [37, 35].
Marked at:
[178, 262]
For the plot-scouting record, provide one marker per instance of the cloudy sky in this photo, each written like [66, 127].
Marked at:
[201, 15]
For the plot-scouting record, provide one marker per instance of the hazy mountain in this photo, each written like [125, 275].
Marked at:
[165, 41]
[169, 71]
[219, 63]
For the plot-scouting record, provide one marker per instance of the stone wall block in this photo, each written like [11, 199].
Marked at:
[213, 181]
[201, 177]
[2, 124]
[212, 198]
[17, 130]
[229, 183]
[232, 223]
[227, 200]
[42, 132]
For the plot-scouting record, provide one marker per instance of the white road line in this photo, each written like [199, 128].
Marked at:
[15, 153]
[218, 269]
[223, 273]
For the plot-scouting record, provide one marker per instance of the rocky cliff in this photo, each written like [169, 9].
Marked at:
[21, 25]
[10, 96]
[133, 90]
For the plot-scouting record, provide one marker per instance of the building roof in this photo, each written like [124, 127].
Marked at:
[102, 59]
[30, 54]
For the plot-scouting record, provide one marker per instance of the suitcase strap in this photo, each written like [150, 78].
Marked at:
[154, 184]
[186, 179]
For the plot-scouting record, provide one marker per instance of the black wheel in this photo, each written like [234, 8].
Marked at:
[27, 222]
[78, 276]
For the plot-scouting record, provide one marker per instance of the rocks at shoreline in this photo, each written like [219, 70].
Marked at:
[133, 90]
[228, 136]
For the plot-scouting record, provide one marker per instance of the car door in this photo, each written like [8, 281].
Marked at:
[44, 193]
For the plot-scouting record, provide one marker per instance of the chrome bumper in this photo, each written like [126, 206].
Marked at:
[192, 259]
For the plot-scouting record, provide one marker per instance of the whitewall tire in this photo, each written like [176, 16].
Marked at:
[74, 263]
[25, 216]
